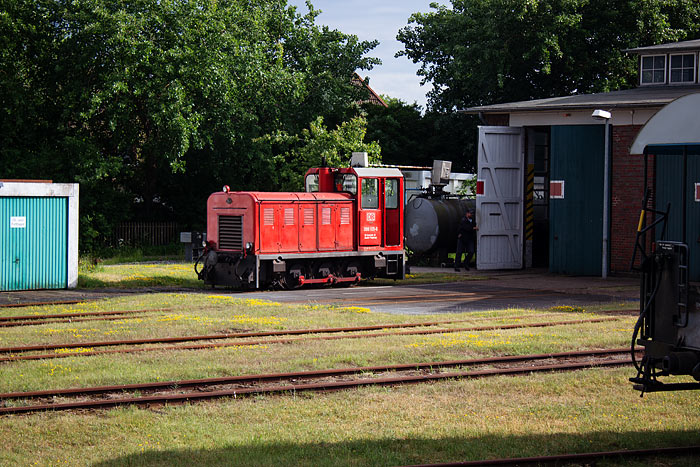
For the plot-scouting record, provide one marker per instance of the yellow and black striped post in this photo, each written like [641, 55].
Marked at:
[529, 213]
[529, 203]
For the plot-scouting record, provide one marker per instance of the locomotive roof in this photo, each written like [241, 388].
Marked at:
[296, 196]
[377, 172]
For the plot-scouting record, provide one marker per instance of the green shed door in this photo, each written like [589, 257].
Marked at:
[669, 190]
[33, 243]
[576, 216]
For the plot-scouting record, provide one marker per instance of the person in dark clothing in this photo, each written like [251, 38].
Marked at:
[466, 239]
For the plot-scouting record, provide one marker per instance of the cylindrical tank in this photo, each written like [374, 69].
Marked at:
[431, 224]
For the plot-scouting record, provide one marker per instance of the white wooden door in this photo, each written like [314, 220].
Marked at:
[499, 201]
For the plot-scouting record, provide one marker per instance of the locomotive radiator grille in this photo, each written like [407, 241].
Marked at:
[231, 232]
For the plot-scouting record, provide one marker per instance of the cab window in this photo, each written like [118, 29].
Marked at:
[346, 182]
[311, 183]
[391, 193]
[370, 193]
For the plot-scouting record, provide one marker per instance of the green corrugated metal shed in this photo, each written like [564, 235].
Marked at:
[576, 220]
[38, 236]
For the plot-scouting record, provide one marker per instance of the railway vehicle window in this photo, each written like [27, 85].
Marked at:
[370, 193]
[391, 194]
[346, 182]
[311, 183]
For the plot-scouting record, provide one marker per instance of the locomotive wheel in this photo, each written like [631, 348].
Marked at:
[350, 269]
[324, 269]
[291, 277]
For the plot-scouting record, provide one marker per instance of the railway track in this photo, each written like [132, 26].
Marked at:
[583, 458]
[324, 380]
[28, 304]
[37, 320]
[32, 320]
[86, 347]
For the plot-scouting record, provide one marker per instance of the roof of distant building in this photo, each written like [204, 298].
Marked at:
[667, 48]
[647, 96]
[650, 94]
[374, 98]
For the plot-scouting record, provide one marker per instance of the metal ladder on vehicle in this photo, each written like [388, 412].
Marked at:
[681, 319]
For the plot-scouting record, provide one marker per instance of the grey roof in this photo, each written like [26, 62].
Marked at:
[641, 97]
[667, 48]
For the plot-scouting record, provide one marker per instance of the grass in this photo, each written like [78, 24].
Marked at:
[97, 274]
[135, 275]
[455, 420]
[136, 254]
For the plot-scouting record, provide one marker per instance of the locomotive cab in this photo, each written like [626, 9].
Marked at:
[346, 225]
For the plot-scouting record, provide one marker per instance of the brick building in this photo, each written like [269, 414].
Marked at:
[542, 198]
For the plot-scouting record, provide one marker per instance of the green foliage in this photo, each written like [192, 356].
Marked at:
[130, 254]
[408, 136]
[468, 187]
[150, 105]
[489, 51]
[317, 144]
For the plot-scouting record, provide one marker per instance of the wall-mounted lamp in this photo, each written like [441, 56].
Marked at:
[601, 114]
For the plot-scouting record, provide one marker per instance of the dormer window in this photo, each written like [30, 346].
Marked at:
[683, 68]
[653, 69]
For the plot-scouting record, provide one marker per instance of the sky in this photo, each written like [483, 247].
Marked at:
[380, 20]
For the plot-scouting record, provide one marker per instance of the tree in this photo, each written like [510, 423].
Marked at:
[408, 136]
[149, 104]
[316, 146]
[489, 51]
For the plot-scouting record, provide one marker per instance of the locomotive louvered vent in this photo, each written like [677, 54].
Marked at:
[325, 216]
[308, 216]
[344, 216]
[231, 232]
[268, 216]
[288, 216]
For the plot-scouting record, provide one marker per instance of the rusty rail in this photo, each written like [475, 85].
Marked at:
[82, 345]
[317, 386]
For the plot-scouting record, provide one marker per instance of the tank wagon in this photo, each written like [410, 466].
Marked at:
[433, 216]
[346, 226]
[432, 223]
[668, 327]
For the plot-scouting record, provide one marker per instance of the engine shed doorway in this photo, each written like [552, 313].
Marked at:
[538, 142]
[512, 203]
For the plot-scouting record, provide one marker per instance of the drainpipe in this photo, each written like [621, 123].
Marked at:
[606, 199]
[604, 115]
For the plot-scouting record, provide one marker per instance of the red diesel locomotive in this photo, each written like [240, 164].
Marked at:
[348, 225]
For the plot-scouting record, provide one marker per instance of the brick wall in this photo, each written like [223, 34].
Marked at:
[626, 196]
